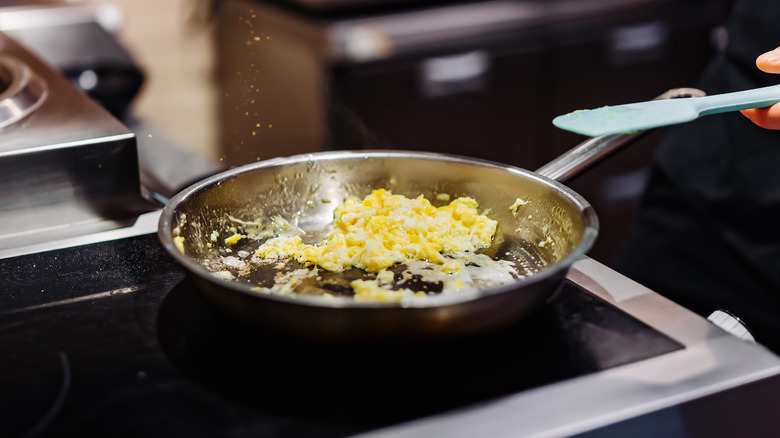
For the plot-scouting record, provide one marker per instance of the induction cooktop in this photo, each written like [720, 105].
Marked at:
[113, 336]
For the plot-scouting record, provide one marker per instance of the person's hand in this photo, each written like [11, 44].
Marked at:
[768, 118]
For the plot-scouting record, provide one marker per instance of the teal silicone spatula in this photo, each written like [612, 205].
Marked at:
[645, 115]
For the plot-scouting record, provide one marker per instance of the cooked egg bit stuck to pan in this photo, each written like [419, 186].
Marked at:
[462, 247]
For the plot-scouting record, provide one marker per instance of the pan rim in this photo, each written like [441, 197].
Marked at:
[167, 217]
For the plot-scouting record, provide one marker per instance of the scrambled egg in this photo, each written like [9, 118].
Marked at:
[179, 242]
[436, 247]
[235, 238]
[178, 239]
[384, 229]
[519, 202]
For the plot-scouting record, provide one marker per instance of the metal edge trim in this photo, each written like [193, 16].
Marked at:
[108, 138]
[144, 224]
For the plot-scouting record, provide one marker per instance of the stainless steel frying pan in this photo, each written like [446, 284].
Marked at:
[305, 190]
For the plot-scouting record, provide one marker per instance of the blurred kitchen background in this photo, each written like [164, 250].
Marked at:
[235, 81]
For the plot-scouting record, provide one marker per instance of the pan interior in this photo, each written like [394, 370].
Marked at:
[539, 224]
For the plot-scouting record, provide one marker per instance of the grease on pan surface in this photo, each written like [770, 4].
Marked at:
[383, 248]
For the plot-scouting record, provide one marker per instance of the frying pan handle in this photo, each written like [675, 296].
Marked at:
[592, 151]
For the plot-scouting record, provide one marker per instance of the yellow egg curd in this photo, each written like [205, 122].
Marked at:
[384, 229]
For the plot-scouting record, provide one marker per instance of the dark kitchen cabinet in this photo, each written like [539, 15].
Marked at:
[480, 79]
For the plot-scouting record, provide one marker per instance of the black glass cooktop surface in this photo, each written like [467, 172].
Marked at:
[112, 339]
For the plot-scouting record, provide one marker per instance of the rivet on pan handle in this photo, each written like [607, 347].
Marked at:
[592, 151]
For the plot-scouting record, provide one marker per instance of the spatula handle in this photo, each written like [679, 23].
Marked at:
[738, 100]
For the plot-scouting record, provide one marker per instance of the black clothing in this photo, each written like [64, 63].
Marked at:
[708, 231]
